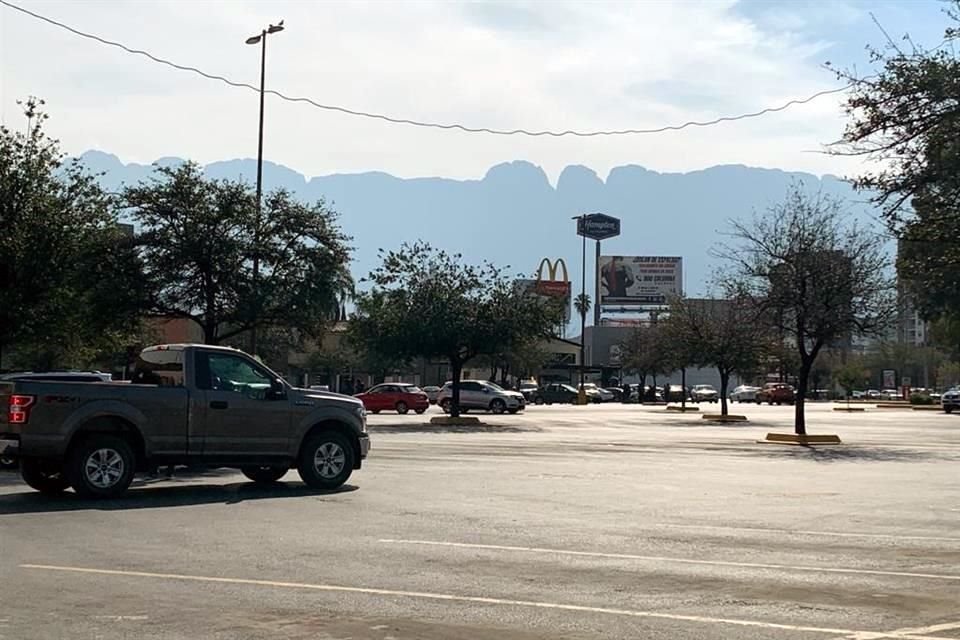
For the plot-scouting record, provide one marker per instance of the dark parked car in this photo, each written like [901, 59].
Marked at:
[555, 393]
[394, 396]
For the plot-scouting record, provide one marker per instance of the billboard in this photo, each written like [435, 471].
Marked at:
[553, 281]
[889, 379]
[639, 280]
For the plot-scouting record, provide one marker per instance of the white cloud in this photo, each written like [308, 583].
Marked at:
[507, 65]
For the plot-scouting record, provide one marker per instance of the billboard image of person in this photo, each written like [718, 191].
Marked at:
[616, 277]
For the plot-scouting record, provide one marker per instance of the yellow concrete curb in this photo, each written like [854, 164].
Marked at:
[792, 438]
[893, 405]
[849, 409]
[682, 409]
[927, 407]
[719, 417]
[455, 422]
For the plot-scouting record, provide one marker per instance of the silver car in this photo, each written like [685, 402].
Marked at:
[950, 400]
[482, 396]
[744, 393]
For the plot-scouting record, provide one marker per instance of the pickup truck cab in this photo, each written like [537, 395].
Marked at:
[187, 404]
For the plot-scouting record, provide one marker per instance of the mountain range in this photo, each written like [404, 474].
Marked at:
[514, 215]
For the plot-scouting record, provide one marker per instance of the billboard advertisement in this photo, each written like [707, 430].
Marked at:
[552, 280]
[639, 280]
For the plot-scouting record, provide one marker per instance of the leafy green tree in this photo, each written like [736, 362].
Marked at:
[905, 120]
[70, 283]
[851, 375]
[198, 242]
[428, 303]
[817, 279]
[725, 333]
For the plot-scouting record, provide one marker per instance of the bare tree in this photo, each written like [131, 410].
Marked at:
[726, 333]
[816, 278]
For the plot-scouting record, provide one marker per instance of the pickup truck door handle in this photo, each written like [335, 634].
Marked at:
[219, 404]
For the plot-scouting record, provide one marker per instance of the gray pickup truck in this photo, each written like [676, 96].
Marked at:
[187, 404]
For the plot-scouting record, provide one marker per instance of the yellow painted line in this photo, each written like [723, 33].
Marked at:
[629, 556]
[443, 597]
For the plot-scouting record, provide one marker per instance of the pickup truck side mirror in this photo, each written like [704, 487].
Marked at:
[277, 391]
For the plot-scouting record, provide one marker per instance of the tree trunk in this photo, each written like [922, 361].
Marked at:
[456, 368]
[210, 333]
[799, 419]
[641, 390]
[724, 383]
[653, 388]
[683, 389]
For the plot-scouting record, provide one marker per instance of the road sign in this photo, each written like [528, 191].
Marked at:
[598, 226]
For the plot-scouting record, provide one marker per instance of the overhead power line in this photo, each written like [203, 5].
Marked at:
[421, 123]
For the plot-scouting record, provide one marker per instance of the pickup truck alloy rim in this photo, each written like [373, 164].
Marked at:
[104, 468]
[329, 460]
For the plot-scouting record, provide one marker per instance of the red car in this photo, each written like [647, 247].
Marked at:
[392, 396]
[775, 393]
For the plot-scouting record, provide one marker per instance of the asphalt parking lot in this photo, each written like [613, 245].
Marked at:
[564, 522]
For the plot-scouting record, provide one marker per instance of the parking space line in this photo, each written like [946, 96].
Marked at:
[468, 599]
[780, 532]
[643, 558]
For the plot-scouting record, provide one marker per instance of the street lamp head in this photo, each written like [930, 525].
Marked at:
[275, 28]
[253, 39]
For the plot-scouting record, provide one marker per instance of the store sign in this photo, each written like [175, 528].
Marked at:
[598, 226]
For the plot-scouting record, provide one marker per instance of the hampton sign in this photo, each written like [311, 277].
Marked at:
[598, 226]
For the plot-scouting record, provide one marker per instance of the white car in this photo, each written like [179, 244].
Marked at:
[704, 393]
[890, 394]
[596, 394]
[744, 393]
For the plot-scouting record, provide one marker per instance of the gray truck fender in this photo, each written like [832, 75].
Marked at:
[326, 414]
[104, 409]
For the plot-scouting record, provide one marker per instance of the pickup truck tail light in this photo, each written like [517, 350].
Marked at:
[18, 409]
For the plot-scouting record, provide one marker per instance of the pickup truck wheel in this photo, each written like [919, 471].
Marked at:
[419, 411]
[265, 475]
[538, 400]
[498, 406]
[43, 477]
[402, 407]
[948, 409]
[326, 460]
[101, 466]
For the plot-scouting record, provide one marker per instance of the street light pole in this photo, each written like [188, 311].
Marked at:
[262, 40]
[581, 393]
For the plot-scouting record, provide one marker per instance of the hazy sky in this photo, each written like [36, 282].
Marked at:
[520, 64]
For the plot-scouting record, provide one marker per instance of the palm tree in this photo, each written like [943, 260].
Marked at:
[582, 304]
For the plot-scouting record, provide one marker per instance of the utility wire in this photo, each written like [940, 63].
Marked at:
[419, 123]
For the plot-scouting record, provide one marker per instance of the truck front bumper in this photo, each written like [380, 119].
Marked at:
[364, 445]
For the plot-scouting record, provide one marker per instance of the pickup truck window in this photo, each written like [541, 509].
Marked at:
[228, 372]
[163, 368]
